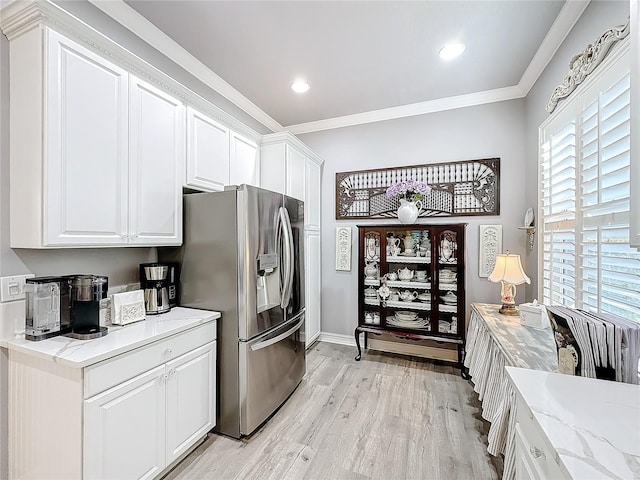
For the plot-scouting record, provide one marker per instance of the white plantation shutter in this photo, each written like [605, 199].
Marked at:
[586, 261]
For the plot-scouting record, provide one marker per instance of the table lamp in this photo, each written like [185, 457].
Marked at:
[508, 270]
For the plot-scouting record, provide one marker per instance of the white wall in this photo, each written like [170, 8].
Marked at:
[494, 130]
[598, 17]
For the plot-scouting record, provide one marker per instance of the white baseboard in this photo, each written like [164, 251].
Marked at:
[340, 339]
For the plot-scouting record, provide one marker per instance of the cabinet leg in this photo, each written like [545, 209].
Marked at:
[464, 372]
[357, 335]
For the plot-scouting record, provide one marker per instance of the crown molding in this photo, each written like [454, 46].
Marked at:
[422, 108]
[567, 18]
[287, 137]
[147, 31]
[21, 16]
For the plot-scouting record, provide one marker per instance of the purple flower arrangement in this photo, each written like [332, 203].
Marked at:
[410, 190]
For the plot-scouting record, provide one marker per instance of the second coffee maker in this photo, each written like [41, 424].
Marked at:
[86, 293]
[154, 280]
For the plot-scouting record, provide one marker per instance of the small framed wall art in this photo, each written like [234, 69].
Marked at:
[490, 246]
[343, 249]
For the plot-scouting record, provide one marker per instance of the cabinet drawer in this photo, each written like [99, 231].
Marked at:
[109, 373]
[534, 447]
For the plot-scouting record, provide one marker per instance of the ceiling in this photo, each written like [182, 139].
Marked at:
[359, 56]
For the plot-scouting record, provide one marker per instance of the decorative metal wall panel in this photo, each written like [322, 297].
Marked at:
[470, 187]
[343, 248]
[490, 246]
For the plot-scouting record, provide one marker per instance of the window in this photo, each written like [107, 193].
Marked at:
[586, 261]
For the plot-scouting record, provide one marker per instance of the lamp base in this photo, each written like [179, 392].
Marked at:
[509, 310]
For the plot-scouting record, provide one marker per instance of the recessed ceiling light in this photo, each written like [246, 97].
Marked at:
[451, 50]
[300, 86]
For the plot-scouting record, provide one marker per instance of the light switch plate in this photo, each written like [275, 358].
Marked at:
[12, 288]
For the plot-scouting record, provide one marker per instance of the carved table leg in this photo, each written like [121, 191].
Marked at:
[357, 335]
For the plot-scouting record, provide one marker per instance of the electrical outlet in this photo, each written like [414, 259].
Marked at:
[12, 288]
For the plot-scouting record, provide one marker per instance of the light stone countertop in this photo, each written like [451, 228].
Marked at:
[120, 339]
[593, 425]
[521, 345]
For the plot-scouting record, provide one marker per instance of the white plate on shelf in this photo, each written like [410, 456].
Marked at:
[406, 315]
[417, 323]
[528, 217]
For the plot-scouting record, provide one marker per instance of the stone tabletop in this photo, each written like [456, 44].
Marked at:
[522, 346]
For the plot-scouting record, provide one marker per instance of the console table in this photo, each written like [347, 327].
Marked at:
[493, 342]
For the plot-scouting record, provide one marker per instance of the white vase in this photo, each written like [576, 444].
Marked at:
[408, 211]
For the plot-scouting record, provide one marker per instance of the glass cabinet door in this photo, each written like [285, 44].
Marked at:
[408, 278]
[448, 273]
[370, 248]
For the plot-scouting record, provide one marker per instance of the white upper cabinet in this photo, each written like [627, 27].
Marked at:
[207, 152]
[96, 155]
[295, 163]
[85, 161]
[288, 166]
[313, 185]
[244, 166]
[156, 163]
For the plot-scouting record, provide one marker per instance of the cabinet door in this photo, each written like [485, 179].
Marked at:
[244, 166]
[312, 196]
[295, 176]
[124, 429]
[207, 152]
[191, 398]
[313, 286]
[85, 170]
[272, 166]
[156, 162]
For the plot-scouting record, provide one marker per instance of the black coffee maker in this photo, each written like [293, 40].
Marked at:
[86, 293]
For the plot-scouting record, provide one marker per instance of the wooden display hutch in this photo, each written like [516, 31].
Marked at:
[411, 283]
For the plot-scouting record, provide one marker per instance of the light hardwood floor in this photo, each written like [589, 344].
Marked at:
[385, 417]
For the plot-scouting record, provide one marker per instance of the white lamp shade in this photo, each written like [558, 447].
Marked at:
[509, 269]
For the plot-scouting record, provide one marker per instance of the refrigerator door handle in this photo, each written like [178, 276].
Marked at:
[287, 283]
[276, 339]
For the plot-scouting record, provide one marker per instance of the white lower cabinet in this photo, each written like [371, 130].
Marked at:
[535, 457]
[190, 399]
[158, 415]
[313, 286]
[132, 415]
[128, 418]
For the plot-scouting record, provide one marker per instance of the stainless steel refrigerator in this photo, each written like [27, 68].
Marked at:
[243, 255]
